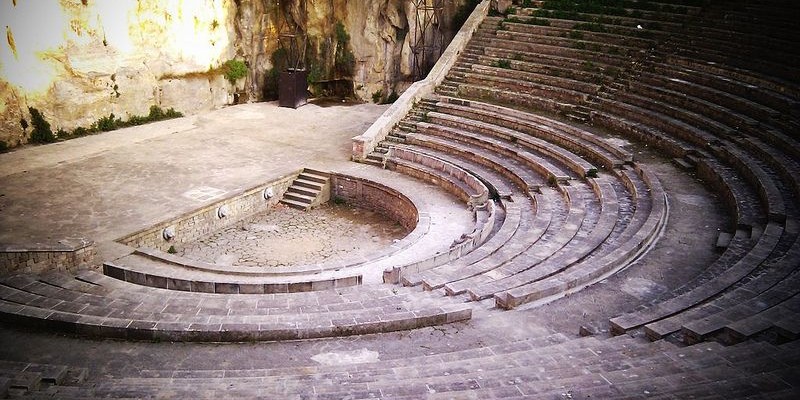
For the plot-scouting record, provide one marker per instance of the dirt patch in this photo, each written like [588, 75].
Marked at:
[285, 236]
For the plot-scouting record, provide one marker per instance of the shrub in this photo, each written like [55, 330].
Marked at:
[377, 96]
[41, 128]
[108, 123]
[344, 60]
[463, 12]
[392, 98]
[234, 70]
[503, 63]
[3, 146]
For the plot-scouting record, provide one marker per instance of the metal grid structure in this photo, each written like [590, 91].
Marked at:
[428, 41]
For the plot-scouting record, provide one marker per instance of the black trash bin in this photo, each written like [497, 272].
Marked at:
[292, 88]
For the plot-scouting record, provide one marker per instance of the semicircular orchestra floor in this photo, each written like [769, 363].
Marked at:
[285, 237]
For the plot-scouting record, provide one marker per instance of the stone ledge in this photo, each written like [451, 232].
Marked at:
[66, 255]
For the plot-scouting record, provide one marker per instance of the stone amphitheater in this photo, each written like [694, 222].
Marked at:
[600, 201]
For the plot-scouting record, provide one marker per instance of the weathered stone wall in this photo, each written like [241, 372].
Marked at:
[207, 220]
[78, 61]
[66, 255]
[371, 196]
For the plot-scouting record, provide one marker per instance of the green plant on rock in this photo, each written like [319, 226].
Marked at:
[377, 96]
[41, 128]
[503, 63]
[234, 70]
[391, 98]
[463, 12]
[344, 60]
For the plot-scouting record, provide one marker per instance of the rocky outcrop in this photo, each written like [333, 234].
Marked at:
[99, 59]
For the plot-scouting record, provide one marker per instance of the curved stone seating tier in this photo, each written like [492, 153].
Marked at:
[757, 94]
[578, 218]
[529, 77]
[569, 59]
[668, 18]
[776, 285]
[578, 141]
[749, 168]
[510, 168]
[671, 89]
[608, 369]
[783, 316]
[739, 116]
[143, 270]
[737, 262]
[577, 247]
[498, 183]
[140, 312]
[511, 98]
[736, 73]
[529, 88]
[779, 72]
[460, 183]
[545, 168]
[412, 275]
[552, 66]
[575, 163]
[752, 40]
[548, 216]
[631, 238]
[608, 33]
[623, 44]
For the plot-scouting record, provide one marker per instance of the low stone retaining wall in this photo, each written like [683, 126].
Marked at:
[372, 196]
[65, 255]
[204, 221]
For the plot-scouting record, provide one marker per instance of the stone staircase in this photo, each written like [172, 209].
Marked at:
[404, 127]
[310, 189]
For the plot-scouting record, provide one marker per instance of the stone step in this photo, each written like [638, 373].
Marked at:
[299, 197]
[295, 204]
[301, 182]
[305, 191]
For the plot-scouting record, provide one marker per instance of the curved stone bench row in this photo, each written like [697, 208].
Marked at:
[609, 369]
[526, 229]
[623, 44]
[774, 284]
[155, 314]
[568, 248]
[656, 111]
[757, 176]
[576, 164]
[648, 221]
[550, 230]
[547, 169]
[461, 183]
[732, 269]
[577, 141]
[457, 277]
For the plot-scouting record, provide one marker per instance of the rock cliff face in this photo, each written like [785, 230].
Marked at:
[80, 60]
